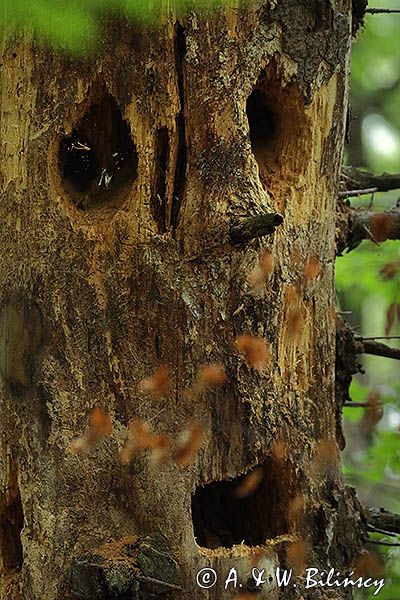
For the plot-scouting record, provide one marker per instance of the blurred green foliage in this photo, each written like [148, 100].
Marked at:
[364, 291]
[75, 25]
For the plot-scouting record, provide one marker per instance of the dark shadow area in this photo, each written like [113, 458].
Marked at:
[263, 122]
[11, 524]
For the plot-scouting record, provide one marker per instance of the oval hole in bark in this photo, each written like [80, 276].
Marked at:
[98, 160]
[222, 519]
[278, 130]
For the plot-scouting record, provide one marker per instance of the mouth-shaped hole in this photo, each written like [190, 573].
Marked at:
[223, 516]
[98, 160]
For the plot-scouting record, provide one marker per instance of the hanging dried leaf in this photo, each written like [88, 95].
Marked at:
[373, 412]
[189, 443]
[255, 351]
[295, 324]
[262, 272]
[250, 483]
[209, 376]
[158, 384]
[367, 564]
[390, 317]
[312, 269]
[254, 559]
[381, 226]
[140, 438]
[295, 510]
[279, 450]
[100, 426]
[390, 269]
[325, 458]
[292, 297]
[297, 555]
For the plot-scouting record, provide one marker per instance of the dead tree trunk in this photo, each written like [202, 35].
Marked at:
[122, 176]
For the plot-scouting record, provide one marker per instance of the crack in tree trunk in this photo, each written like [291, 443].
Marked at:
[181, 158]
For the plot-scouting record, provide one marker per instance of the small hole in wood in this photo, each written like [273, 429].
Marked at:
[98, 160]
[222, 518]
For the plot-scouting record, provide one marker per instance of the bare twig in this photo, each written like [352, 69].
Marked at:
[381, 518]
[366, 225]
[378, 337]
[381, 11]
[357, 404]
[380, 543]
[352, 177]
[373, 529]
[361, 192]
[377, 349]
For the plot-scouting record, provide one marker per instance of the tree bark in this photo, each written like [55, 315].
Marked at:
[121, 177]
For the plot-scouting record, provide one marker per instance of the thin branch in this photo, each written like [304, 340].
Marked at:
[358, 404]
[378, 349]
[378, 337]
[373, 529]
[352, 177]
[381, 518]
[361, 192]
[380, 543]
[254, 227]
[381, 11]
[366, 225]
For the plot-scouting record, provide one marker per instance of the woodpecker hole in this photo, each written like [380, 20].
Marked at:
[98, 160]
[222, 518]
[275, 114]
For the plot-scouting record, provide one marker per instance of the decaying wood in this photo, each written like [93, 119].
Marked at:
[119, 175]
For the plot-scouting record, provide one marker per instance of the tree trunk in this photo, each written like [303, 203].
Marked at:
[121, 177]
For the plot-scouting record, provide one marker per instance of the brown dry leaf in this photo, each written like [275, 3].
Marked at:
[100, 426]
[250, 483]
[292, 297]
[389, 270]
[325, 456]
[254, 559]
[296, 509]
[189, 443]
[297, 554]
[141, 438]
[367, 564]
[255, 351]
[262, 272]
[210, 376]
[373, 412]
[295, 324]
[279, 450]
[159, 383]
[390, 317]
[245, 596]
[312, 269]
[381, 226]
